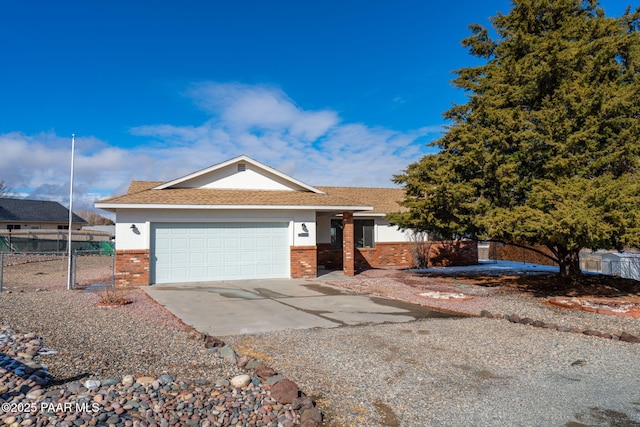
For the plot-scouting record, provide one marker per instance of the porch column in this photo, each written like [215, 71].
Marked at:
[348, 247]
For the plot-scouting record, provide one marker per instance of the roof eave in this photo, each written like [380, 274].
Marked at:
[113, 206]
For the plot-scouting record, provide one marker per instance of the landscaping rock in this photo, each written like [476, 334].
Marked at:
[284, 391]
[240, 381]
[629, 338]
[264, 371]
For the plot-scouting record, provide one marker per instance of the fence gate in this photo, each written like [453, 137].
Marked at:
[49, 270]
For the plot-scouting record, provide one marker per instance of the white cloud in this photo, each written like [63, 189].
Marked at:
[314, 146]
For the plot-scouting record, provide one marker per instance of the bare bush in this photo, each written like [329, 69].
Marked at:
[421, 246]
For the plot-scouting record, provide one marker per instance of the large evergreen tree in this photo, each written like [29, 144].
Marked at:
[546, 149]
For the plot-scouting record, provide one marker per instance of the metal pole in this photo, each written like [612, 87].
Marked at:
[69, 272]
[1, 269]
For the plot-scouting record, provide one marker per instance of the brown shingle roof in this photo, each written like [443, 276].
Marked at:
[383, 200]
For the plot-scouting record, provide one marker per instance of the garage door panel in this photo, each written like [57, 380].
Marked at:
[229, 251]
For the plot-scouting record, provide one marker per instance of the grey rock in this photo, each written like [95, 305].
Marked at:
[165, 379]
[274, 379]
[92, 384]
[226, 351]
[110, 381]
[514, 318]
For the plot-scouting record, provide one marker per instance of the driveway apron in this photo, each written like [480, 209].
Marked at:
[252, 306]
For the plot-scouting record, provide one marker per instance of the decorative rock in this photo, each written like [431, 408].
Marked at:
[311, 414]
[242, 360]
[252, 364]
[92, 384]
[264, 371]
[537, 323]
[284, 391]
[210, 342]
[145, 380]
[34, 394]
[226, 351]
[514, 318]
[221, 382]
[592, 333]
[526, 321]
[302, 402]
[128, 380]
[231, 359]
[165, 379]
[272, 380]
[485, 313]
[240, 381]
[110, 381]
[629, 338]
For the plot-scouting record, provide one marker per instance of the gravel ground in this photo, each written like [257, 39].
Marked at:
[453, 372]
[141, 339]
[464, 372]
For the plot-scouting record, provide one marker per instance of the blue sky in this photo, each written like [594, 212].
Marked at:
[331, 92]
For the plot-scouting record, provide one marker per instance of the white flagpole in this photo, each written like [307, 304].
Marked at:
[69, 275]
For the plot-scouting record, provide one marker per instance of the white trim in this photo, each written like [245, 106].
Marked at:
[240, 207]
[241, 158]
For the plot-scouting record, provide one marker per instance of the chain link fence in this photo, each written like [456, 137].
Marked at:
[50, 270]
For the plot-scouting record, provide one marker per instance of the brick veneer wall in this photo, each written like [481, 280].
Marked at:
[348, 245]
[385, 255]
[304, 263]
[507, 252]
[399, 254]
[132, 267]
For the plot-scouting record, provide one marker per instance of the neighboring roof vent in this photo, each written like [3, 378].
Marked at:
[242, 167]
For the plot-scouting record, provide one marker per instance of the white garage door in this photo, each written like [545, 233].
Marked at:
[221, 251]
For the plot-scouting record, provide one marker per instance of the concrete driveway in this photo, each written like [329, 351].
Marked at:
[252, 306]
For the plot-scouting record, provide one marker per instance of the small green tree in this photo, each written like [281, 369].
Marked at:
[546, 149]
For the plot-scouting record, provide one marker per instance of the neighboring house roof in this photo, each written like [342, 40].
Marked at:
[35, 211]
[213, 187]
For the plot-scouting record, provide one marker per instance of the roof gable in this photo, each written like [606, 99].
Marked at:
[40, 211]
[240, 173]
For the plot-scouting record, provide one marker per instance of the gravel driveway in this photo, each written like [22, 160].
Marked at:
[464, 372]
[468, 372]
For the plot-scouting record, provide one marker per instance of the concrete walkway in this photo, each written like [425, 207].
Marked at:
[252, 306]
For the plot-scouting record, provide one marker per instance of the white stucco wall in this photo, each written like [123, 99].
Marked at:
[230, 178]
[324, 229]
[128, 239]
[390, 233]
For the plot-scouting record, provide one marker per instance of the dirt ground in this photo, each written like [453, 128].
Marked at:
[51, 272]
[539, 284]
